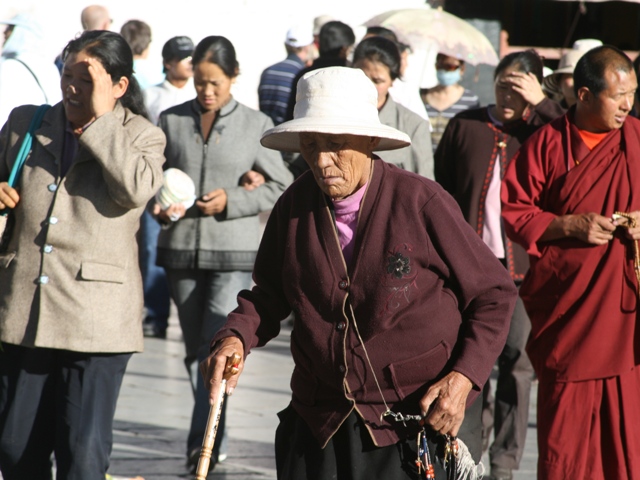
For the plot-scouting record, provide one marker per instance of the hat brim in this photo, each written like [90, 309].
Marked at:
[286, 136]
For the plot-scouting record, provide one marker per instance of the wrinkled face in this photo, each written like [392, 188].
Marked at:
[510, 105]
[179, 69]
[341, 164]
[213, 87]
[608, 110]
[77, 87]
[380, 75]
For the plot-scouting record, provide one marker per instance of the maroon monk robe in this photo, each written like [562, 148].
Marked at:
[581, 298]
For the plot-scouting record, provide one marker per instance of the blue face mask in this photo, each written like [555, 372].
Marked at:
[448, 78]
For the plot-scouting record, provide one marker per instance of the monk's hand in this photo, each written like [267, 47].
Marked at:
[212, 368]
[590, 227]
[444, 403]
[9, 197]
[632, 232]
[527, 85]
[213, 202]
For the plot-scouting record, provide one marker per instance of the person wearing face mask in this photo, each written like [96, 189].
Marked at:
[473, 154]
[448, 98]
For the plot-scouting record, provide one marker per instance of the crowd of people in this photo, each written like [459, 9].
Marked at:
[416, 241]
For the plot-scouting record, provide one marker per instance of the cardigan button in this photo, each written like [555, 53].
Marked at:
[48, 248]
[43, 279]
[52, 187]
[343, 284]
[342, 368]
[341, 326]
[53, 220]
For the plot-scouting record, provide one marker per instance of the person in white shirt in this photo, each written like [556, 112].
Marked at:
[177, 86]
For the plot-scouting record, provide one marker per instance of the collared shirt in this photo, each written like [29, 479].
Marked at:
[275, 87]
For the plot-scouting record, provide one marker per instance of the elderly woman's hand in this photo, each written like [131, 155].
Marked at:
[444, 403]
[527, 85]
[9, 197]
[212, 368]
[213, 202]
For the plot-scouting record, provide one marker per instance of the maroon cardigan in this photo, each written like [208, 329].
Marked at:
[466, 156]
[427, 297]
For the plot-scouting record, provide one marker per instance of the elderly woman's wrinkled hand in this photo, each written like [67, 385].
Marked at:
[9, 197]
[212, 368]
[444, 404]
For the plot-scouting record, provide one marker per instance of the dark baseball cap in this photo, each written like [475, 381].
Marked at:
[177, 48]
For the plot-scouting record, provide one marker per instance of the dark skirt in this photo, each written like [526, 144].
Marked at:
[349, 455]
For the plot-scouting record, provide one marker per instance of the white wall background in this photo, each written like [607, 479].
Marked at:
[256, 27]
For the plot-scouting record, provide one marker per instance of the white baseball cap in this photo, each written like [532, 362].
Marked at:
[299, 36]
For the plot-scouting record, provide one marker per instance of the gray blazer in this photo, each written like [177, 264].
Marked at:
[70, 277]
[229, 240]
[417, 157]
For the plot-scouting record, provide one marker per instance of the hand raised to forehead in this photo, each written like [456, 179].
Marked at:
[527, 85]
[105, 93]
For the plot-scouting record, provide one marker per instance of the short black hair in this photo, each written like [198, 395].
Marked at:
[379, 49]
[137, 34]
[526, 61]
[382, 32]
[590, 69]
[334, 36]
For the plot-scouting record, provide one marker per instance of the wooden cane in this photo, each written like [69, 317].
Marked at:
[231, 369]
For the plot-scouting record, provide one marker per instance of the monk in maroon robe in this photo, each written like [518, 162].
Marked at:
[559, 199]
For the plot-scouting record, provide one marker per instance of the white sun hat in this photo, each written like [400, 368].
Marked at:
[334, 100]
[177, 188]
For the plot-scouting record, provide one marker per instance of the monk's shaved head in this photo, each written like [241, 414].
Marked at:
[590, 69]
[95, 17]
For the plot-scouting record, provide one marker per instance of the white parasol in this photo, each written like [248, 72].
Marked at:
[425, 26]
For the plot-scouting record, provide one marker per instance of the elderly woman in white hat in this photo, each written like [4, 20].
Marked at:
[400, 309]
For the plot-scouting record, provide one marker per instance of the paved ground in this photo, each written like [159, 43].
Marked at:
[155, 405]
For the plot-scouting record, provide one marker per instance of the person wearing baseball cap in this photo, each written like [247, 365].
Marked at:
[276, 81]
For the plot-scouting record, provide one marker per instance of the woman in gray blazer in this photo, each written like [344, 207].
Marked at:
[70, 286]
[208, 250]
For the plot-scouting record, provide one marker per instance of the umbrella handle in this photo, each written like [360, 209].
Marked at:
[231, 369]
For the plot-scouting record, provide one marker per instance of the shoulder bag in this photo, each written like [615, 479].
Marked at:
[25, 148]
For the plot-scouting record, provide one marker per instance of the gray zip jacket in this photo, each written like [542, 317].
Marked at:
[229, 240]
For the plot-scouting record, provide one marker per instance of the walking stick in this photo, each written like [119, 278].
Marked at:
[230, 370]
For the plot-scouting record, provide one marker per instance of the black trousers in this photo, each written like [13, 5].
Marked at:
[350, 454]
[61, 402]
